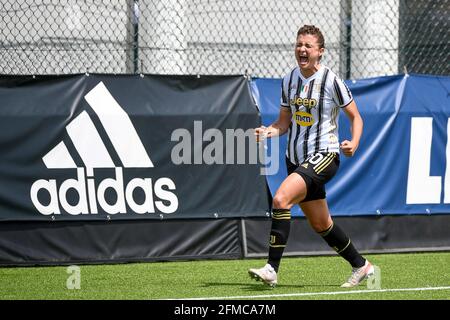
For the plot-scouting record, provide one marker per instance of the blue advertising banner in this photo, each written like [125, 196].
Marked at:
[401, 165]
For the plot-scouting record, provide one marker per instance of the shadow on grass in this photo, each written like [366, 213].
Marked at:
[259, 286]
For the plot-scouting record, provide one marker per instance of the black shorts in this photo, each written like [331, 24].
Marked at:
[316, 170]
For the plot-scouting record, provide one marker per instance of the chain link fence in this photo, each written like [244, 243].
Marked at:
[363, 38]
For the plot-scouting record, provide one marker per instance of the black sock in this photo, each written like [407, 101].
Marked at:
[341, 243]
[279, 234]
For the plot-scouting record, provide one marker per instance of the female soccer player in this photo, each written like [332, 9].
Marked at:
[311, 99]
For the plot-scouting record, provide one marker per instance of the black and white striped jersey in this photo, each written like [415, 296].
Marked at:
[315, 103]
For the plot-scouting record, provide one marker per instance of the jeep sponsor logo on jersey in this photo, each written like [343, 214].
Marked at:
[303, 102]
[158, 194]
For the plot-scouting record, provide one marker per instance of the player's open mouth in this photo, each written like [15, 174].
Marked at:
[303, 59]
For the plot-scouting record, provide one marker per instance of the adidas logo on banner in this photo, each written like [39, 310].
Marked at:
[94, 154]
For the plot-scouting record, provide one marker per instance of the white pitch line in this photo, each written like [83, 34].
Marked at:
[316, 293]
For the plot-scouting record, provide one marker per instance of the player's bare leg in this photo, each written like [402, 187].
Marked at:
[317, 213]
[320, 220]
[291, 191]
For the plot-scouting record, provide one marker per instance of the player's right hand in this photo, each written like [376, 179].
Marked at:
[260, 133]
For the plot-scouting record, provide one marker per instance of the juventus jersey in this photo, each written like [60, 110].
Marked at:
[315, 103]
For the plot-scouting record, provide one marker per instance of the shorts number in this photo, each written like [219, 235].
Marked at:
[315, 159]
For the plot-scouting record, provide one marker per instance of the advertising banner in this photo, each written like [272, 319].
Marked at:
[104, 147]
[401, 165]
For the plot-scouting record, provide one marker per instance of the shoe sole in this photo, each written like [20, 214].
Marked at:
[256, 277]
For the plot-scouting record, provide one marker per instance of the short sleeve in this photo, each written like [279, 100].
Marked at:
[284, 96]
[341, 93]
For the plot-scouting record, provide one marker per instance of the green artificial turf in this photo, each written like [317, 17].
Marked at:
[299, 278]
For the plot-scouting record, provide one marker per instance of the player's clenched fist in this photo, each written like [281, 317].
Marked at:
[348, 148]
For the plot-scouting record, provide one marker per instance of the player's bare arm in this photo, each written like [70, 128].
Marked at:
[356, 128]
[278, 128]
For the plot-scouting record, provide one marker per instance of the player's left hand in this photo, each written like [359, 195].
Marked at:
[348, 148]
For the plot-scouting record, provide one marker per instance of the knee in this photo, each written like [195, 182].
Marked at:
[320, 226]
[280, 201]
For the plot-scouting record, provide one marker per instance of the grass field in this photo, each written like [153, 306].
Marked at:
[403, 276]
